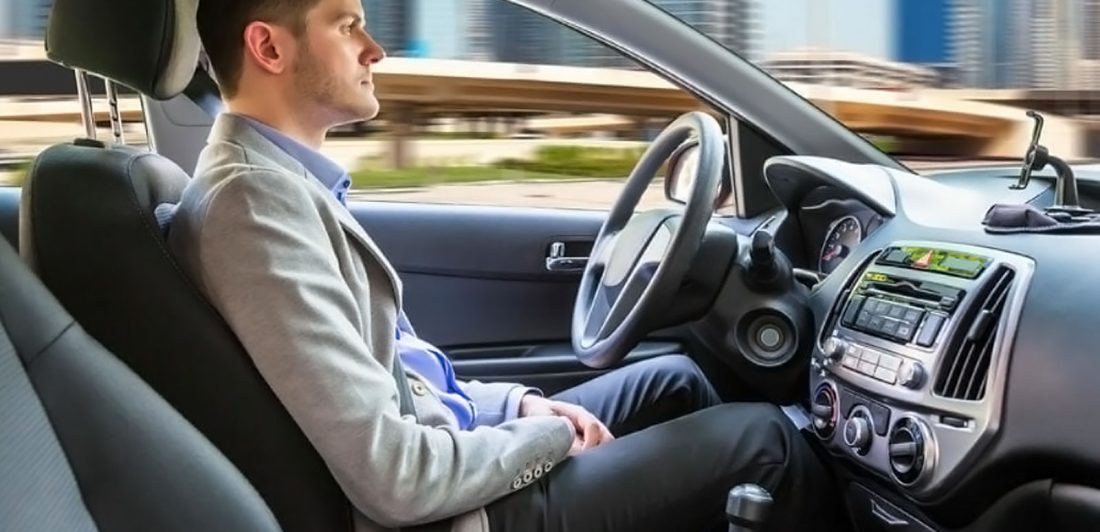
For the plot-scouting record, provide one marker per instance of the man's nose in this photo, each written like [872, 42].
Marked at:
[372, 52]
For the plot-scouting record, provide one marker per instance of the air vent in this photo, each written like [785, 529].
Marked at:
[963, 374]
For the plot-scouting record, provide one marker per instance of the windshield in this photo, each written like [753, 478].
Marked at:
[484, 102]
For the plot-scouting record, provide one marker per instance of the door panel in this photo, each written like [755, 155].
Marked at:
[549, 367]
[476, 285]
[477, 275]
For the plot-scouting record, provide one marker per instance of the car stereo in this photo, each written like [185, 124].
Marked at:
[911, 358]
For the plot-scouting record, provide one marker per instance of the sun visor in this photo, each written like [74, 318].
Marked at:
[151, 46]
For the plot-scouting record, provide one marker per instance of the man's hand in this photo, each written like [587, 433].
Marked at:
[590, 432]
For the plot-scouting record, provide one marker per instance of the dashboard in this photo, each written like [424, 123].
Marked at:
[952, 368]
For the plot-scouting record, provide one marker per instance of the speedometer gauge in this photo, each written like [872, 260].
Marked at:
[843, 236]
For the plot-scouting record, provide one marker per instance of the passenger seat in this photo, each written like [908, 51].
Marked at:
[86, 445]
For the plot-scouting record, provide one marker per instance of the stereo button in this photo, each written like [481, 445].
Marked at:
[870, 356]
[896, 311]
[905, 332]
[852, 313]
[931, 329]
[851, 362]
[864, 320]
[890, 327]
[866, 368]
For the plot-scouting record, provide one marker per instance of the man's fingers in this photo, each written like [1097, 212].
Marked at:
[591, 433]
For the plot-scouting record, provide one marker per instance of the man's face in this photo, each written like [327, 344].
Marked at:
[332, 67]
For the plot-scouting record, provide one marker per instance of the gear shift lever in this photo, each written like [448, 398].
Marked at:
[747, 508]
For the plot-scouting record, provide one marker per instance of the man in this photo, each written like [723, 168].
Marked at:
[264, 232]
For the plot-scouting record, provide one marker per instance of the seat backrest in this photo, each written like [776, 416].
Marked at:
[88, 228]
[86, 445]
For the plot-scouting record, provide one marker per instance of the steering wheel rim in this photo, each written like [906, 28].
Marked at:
[639, 261]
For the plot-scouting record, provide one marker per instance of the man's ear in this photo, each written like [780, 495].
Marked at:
[266, 46]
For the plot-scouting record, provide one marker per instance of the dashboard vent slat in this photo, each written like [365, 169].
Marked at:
[965, 368]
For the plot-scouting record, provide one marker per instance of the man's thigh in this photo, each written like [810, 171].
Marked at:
[675, 476]
[645, 393]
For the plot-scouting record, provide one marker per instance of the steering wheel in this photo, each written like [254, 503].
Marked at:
[639, 261]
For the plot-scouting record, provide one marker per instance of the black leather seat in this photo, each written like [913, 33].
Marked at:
[87, 227]
[86, 445]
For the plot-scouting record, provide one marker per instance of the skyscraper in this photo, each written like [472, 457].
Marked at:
[985, 46]
[920, 32]
[730, 22]
[28, 18]
[390, 22]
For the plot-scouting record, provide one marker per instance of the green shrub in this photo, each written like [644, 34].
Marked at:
[577, 161]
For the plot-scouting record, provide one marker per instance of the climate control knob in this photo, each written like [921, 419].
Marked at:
[911, 451]
[857, 432]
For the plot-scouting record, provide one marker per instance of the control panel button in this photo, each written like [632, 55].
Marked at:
[931, 329]
[875, 324]
[896, 311]
[864, 320]
[881, 417]
[851, 362]
[889, 362]
[866, 368]
[852, 313]
[870, 356]
[889, 327]
[904, 332]
[885, 375]
[913, 315]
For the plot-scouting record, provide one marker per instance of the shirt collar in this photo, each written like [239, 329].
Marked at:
[330, 174]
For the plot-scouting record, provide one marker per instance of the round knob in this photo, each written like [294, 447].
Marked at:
[823, 409]
[857, 433]
[833, 348]
[912, 375]
[910, 450]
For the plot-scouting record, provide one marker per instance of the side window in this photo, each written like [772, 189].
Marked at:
[38, 102]
[486, 103]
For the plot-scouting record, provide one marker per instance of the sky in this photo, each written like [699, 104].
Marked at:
[862, 26]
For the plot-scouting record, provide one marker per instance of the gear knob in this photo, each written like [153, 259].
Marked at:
[747, 508]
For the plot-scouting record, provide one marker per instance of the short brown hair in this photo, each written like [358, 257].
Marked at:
[221, 28]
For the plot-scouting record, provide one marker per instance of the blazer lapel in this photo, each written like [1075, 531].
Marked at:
[235, 130]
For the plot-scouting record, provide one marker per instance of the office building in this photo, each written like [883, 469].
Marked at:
[390, 23]
[27, 18]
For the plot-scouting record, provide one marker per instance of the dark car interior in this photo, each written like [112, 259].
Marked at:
[944, 371]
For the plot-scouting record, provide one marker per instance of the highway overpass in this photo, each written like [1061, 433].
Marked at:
[959, 122]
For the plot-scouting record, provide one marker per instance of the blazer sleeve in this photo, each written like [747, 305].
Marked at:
[267, 265]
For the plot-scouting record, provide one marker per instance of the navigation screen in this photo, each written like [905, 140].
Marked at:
[938, 260]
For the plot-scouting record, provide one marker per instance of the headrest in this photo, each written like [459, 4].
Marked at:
[151, 46]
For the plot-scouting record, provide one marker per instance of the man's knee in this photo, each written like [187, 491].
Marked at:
[678, 368]
[758, 429]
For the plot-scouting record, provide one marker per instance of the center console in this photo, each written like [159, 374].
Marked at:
[910, 364]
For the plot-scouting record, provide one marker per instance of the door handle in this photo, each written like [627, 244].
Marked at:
[556, 261]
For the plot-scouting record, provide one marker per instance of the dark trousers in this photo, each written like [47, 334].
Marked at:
[677, 453]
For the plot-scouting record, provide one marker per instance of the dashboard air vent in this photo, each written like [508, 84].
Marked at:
[965, 367]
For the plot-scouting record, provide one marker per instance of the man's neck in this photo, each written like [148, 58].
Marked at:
[289, 125]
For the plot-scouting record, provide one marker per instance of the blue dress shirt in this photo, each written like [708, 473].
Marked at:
[418, 356]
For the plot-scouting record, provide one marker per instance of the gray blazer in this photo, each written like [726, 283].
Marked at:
[314, 302]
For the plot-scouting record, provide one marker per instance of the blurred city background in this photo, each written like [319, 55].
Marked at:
[484, 102]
